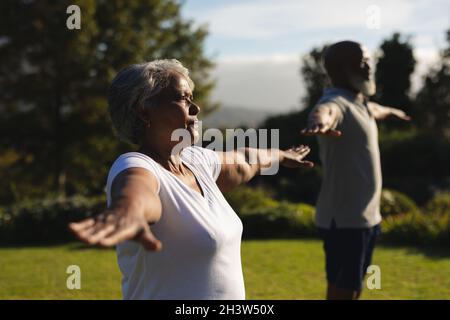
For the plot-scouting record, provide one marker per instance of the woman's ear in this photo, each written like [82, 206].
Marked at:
[142, 114]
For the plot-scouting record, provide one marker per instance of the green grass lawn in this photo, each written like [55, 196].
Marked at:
[275, 269]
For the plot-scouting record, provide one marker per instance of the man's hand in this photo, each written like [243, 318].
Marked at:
[293, 157]
[322, 121]
[114, 226]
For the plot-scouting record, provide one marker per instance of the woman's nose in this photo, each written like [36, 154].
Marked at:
[194, 109]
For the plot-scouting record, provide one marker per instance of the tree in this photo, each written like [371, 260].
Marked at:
[314, 76]
[432, 106]
[394, 67]
[54, 130]
[415, 159]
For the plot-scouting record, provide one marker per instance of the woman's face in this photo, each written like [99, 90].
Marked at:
[173, 109]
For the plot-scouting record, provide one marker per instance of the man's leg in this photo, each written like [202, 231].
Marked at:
[336, 293]
[331, 291]
[351, 251]
[332, 265]
[335, 247]
[372, 236]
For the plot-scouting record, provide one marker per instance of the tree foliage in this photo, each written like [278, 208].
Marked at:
[432, 106]
[55, 134]
[394, 67]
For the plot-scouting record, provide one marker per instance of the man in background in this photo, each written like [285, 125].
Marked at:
[348, 206]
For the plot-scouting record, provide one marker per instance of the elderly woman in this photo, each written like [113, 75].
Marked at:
[193, 248]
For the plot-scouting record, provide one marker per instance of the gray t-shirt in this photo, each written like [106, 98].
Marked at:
[351, 186]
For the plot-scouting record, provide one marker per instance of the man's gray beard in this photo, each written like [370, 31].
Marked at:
[366, 87]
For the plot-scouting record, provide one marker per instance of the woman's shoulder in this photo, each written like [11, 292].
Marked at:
[132, 160]
[133, 155]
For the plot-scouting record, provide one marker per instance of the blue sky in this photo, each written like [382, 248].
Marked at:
[257, 44]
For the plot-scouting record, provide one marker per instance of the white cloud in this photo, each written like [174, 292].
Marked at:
[277, 58]
[273, 82]
[259, 82]
[426, 58]
[268, 19]
[260, 42]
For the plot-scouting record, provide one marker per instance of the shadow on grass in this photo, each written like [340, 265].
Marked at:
[430, 251]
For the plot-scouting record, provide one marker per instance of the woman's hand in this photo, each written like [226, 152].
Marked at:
[135, 204]
[293, 157]
[114, 226]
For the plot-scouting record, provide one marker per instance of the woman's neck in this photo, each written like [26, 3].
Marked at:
[164, 157]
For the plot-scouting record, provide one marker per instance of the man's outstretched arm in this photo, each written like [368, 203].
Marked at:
[382, 112]
[323, 119]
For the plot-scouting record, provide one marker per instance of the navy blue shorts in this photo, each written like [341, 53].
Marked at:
[348, 253]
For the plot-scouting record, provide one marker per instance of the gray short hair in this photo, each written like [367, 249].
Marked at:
[135, 86]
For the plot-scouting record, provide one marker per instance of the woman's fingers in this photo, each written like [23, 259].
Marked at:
[300, 147]
[298, 151]
[294, 155]
[120, 235]
[133, 232]
[149, 241]
[301, 151]
[84, 224]
[304, 150]
[107, 230]
[100, 233]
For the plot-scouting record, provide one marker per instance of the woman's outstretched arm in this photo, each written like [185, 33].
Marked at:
[135, 204]
[241, 165]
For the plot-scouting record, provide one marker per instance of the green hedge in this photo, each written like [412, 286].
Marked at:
[440, 204]
[45, 221]
[396, 203]
[246, 198]
[417, 229]
[403, 222]
[285, 220]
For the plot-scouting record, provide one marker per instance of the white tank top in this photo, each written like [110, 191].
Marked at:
[201, 236]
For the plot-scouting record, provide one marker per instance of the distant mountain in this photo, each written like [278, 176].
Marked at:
[235, 117]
